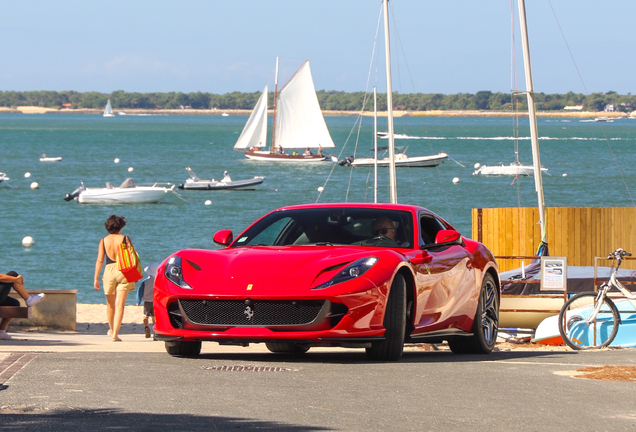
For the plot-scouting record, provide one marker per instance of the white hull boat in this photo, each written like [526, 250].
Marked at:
[127, 193]
[511, 170]
[46, 158]
[402, 160]
[298, 123]
[226, 183]
[108, 110]
[3, 177]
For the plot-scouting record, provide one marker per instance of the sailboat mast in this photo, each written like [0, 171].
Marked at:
[375, 144]
[389, 102]
[273, 149]
[536, 159]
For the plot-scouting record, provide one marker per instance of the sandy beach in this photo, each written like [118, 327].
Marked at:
[326, 113]
[91, 321]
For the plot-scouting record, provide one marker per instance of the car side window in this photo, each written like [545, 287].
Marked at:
[429, 227]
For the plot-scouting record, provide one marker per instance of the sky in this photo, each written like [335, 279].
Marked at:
[451, 46]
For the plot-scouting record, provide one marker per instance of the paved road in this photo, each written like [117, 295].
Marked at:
[339, 390]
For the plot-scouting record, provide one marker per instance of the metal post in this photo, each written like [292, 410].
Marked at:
[536, 159]
[389, 102]
[375, 145]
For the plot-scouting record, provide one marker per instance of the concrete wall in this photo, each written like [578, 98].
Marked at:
[57, 310]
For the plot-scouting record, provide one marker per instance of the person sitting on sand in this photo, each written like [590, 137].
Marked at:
[116, 286]
[15, 281]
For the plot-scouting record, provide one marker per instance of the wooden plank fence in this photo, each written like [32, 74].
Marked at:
[579, 233]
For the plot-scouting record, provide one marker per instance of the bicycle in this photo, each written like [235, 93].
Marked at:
[591, 319]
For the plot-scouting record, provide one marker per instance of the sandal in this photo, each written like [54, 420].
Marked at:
[109, 333]
[147, 332]
[116, 339]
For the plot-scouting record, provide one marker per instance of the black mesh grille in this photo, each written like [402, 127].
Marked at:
[175, 315]
[257, 313]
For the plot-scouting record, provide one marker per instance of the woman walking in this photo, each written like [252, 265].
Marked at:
[116, 286]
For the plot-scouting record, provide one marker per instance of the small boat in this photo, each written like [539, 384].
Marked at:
[126, 193]
[603, 119]
[401, 160]
[46, 158]
[3, 177]
[226, 183]
[298, 123]
[108, 111]
[225, 115]
[513, 169]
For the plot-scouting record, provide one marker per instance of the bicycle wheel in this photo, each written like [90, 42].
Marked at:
[575, 330]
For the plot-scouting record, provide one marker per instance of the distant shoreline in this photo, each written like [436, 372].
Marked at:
[326, 113]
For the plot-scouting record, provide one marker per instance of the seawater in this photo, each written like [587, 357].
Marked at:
[160, 147]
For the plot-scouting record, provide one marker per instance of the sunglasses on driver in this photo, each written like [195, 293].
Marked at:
[381, 231]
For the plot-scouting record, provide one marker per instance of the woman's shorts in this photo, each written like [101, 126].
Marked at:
[114, 280]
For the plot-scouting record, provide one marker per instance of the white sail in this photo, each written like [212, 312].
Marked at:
[255, 131]
[108, 111]
[299, 121]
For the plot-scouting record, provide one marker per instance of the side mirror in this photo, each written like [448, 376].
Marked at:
[448, 236]
[223, 237]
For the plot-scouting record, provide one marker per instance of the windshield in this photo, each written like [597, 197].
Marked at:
[332, 226]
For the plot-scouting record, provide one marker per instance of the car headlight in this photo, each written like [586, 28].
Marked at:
[352, 271]
[174, 273]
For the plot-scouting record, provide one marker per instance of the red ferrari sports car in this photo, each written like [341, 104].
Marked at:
[370, 276]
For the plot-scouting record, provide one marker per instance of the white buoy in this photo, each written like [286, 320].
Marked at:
[477, 165]
[116, 160]
[27, 174]
[130, 169]
[35, 185]
[565, 175]
[456, 180]
[208, 202]
[320, 189]
[28, 241]
[275, 190]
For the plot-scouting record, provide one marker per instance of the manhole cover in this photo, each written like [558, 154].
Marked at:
[248, 368]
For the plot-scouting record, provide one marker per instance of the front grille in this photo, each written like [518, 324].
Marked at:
[251, 313]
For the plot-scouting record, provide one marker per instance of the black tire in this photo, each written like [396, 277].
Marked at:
[286, 348]
[184, 348]
[485, 324]
[575, 331]
[391, 348]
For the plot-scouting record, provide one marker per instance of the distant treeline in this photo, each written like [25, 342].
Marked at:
[329, 100]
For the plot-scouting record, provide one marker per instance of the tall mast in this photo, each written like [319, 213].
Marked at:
[536, 159]
[389, 101]
[375, 145]
[273, 149]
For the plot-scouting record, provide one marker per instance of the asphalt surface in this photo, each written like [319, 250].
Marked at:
[248, 389]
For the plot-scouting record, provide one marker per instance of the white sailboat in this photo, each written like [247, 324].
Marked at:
[298, 123]
[108, 111]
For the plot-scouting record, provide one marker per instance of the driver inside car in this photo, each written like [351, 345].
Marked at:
[384, 227]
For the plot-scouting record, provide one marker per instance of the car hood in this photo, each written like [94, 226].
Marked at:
[264, 270]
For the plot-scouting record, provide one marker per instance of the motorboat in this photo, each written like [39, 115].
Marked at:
[513, 169]
[401, 160]
[127, 193]
[298, 123]
[226, 183]
[46, 158]
[3, 177]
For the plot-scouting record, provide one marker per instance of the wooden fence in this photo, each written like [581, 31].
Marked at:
[578, 233]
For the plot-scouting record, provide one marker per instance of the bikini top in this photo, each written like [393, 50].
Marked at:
[108, 259]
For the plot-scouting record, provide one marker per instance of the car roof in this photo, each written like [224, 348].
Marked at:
[385, 206]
